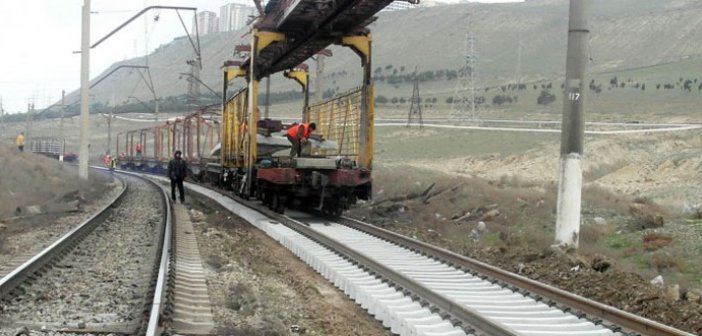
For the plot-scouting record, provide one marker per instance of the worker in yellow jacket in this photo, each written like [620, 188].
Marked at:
[19, 141]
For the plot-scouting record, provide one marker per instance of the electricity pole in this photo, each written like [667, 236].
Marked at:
[28, 121]
[572, 132]
[318, 78]
[63, 140]
[2, 116]
[268, 96]
[84, 91]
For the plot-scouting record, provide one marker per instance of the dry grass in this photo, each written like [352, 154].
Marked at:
[599, 197]
[593, 233]
[271, 326]
[241, 298]
[663, 261]
[654, 241]
[216, 261]
[523, 217]
[646, 214]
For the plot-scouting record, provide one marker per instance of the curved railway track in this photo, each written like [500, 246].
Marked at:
[100, 276]
[418, 289]
[411, 287]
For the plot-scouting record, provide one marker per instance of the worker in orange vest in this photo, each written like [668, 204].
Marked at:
[299, 134]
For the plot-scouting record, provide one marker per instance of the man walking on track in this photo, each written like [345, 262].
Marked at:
[177, 170]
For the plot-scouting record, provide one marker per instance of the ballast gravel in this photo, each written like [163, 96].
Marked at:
[105, 279]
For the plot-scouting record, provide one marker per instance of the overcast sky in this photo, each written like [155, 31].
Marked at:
[38, 38]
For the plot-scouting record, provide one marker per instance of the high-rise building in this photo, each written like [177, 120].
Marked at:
[206, 22]
[234, 16]
[399, 5]
[432, 3]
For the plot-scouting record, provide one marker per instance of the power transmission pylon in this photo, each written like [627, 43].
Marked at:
[464, 100]
[415, 110]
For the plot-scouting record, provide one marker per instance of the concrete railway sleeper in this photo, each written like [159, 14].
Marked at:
[417, 289]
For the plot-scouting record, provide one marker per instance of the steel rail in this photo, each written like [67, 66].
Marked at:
[469, 318]
[13, 279]
[593, 308]
[159, 300]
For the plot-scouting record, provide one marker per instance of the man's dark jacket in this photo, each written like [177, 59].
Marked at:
[177, 169]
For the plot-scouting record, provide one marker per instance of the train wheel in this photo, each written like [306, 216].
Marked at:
[275, 202]
[259, 191]
[280, 208]
[268, 197]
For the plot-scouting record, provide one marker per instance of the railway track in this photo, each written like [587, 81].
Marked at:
[99, 277]
[417, 289]
[411, 287]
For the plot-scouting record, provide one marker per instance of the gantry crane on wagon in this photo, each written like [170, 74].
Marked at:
[290, 32]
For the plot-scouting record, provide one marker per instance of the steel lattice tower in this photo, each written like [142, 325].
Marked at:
[464, 99]
[415, 110]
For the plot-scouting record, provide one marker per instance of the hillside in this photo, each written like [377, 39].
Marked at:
[625, 34]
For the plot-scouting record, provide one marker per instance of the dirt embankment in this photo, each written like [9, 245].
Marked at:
[29, 180]
[624, 241]
[259, 288]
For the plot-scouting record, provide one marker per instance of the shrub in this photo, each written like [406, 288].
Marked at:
[663, 261]
[654, 241]
[501, 99]
[545, 98]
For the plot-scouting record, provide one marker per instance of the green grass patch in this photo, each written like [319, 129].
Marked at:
[493, 239]
[619, 241]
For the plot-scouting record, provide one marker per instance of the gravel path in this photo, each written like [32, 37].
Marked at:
[103, 280]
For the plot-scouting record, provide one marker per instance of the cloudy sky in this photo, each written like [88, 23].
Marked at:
[38, 38]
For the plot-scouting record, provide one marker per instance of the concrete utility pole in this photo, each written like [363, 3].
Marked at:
[318, 78]
[572, 132]
[27, 127]
[109, 125]
[268, 96]
[84, 92]
[2, 116]
[63, 140]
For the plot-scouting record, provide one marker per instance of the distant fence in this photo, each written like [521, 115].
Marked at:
[52, 147]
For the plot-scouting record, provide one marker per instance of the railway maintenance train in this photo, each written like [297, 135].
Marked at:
[252, 156]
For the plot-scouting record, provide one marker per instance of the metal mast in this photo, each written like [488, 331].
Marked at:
[415, 110]
[464, 99]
